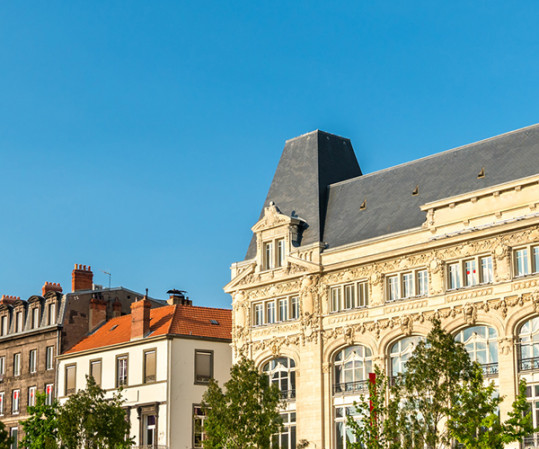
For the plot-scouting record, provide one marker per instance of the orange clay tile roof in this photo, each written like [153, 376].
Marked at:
[168, 320]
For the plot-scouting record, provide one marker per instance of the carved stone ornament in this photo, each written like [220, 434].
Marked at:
[348, 334]
[535, 300]
[506, 345]
[407, 325]
[470, 313]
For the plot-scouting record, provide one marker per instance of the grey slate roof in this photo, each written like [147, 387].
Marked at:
[309, 163]
[390, 205]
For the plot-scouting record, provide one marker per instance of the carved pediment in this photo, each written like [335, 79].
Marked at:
[273, 218]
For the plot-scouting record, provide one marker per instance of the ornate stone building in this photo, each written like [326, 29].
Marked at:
[346, 271]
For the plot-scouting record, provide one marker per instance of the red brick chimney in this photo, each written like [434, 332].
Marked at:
[140, 318]
[51, 287]
[82, 278]
[98, 313]
[7, 299]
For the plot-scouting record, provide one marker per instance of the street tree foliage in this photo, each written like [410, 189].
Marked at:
[5, 439]
[440, 398]
[89, 421]
[245, 414]
[41, 427]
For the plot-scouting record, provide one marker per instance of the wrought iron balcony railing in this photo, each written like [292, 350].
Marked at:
[528, 364]
[288, 394]
[360, 386]
[530, 442]
[490, 369]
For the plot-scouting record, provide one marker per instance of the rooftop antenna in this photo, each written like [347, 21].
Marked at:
[109, 275]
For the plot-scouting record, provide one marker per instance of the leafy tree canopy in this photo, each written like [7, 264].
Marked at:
[41, 427]
[245, 414]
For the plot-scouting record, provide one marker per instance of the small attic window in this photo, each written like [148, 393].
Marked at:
[113, 327]
[214, 322]
[363, 205]
[415, 191]
[481, 174]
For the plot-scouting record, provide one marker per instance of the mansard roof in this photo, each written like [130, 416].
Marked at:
[181, 320]
[309, 163]
[360, 207]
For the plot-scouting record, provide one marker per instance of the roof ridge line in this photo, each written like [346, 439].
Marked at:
[430, 156]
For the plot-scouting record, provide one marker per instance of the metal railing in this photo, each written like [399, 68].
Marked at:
[288, 394]
[351, 387]
[150, 446]
[530, 442]
[528, 364]
[490, 369]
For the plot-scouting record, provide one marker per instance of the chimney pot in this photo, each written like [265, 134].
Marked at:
[140, 318]
[82, 278]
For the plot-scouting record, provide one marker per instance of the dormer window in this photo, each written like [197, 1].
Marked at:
[35, 317]
[4, 325]
[268, 256]
[280, 253]
[18, 322]
[51, 313]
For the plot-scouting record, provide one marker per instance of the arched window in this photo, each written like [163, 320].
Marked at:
[400, 352]
[352, 367]
[529, 345]
[482, 345]
[282, 372]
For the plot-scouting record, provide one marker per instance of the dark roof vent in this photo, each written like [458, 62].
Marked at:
[214, 322]
[416, 191]
[363, 205]
[481, 174]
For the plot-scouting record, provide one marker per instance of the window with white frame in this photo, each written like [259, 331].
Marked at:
[51, 309]
[526, 260]
[279, 262]
[469, 272]
[35, 317]
[286, 438]
[15, 401]
[70, 379]
[1, 403]
[351, 368]
[276, 310]
[121, 370]
[400, 352]
[532, 396]
[49, 358]
[481, 342]
[2, 365]
[281, 371]
[268, 255]
[32, 361]
[344, 435]
[31, 396]
[49, 391]
[18, 322]
[528, 339]
[5, 326]
[199, 415]
[14, 434]
[349, 296]
[274, 254]
[408, 284]
[17, 364]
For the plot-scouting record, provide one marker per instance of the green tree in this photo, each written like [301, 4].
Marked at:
[41, 427]
[377, 426]
[246, 414]
[474, 420]
[89, 421]
[5, 439]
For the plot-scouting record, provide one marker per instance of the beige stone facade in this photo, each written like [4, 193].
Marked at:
[337, 311]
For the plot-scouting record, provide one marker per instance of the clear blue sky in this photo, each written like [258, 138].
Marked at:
[140, 137]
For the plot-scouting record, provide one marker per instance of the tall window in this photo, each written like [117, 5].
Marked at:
[283, 309]
[198, 427]
[454, 276]
[529, 345]
[18, 322]
[121, 370]
[470, 273]
[1, 403]
[49, 355]
[294, 308]
[270, 312]
[281, 371]
[31, 396]
[422, 283]
[286, 438]
[343, 433]
[32, 361]
[407, 285]
[349, 296]
[17, 364]
[259, 314]
[35, 317]
[203, 366]
[2, 365]
[481, 343]
[149, 366]
[5, 327]
[95, 371]
[280, 252]
[526, 260]
[400, 352]
[70, 379]
[268, 255]
[49, 391]
[275, 310]
[51, 313]
[352, 367]
[486, 269]
[14, 434]
[150, 434]
[15, 404]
